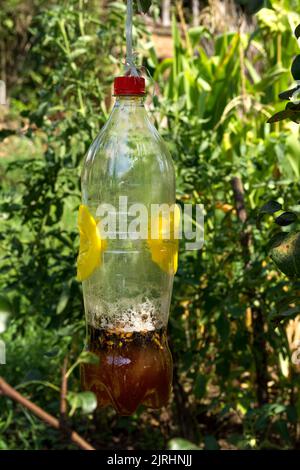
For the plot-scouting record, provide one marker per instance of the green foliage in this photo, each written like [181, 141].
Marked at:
[71, 83]
[292, 109]
[215, 133]
[71, 73]
[283, 247]
[214, 100]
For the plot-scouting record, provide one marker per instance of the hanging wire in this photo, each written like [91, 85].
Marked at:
[130, 68]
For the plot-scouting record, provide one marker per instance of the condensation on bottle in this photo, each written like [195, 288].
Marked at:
[127, 282]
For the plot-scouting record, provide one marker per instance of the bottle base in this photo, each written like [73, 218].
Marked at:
[135, 368]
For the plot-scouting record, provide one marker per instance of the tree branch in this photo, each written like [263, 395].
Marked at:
[63, 400]
[11, 393]
[64, 389]
[238, 193]
[259, 346]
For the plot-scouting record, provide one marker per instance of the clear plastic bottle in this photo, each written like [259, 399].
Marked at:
[127, 282]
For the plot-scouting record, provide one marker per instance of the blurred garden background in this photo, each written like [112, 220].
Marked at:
[215, 69]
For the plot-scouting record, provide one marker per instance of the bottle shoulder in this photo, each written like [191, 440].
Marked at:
[129, 157]
[137, 141]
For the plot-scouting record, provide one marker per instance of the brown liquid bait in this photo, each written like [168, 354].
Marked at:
[134, 368]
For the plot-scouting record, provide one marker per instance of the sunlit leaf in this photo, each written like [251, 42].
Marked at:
[181, 444]
[63, 299]
[88, 402]
[85, 401]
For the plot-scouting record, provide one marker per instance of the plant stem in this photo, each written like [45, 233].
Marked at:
[63, 389]
[184, 28]
[279, 64]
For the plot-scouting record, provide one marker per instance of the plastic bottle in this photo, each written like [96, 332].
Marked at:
[127, 281]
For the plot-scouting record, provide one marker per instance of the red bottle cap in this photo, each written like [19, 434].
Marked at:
[129, 86]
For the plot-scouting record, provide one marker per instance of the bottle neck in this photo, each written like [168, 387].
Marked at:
[131, 101]
[130, 110]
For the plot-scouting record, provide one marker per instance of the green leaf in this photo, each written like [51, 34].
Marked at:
[85, 401]
[287, 95]
[275, 409]
[78, 52]
[282, 429]
[65, 331]
[53, 352]
[3, 445]
[197, 33]
[292, 153]
[286, 218]
[276, 240]
[296, 68]
[87, 357]
[271, 77]
[63, 299]
[295, 107]
[270, 207]
[181, 444]
[8, 22]
[88, 402]
[281, 115]
[85, 38]
[288, 313]
[285, 252]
